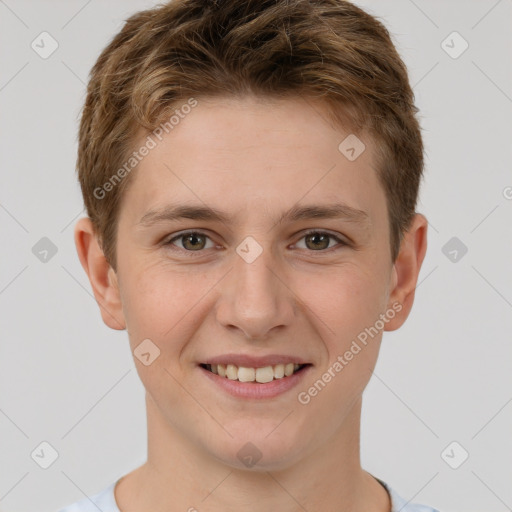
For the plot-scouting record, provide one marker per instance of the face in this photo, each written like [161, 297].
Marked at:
[250, 275]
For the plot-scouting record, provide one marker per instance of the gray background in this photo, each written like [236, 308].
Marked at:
[66, 379]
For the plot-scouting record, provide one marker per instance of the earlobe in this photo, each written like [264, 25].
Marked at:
[102, 277]
[406, 270]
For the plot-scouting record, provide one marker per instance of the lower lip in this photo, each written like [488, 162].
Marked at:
[255, 389]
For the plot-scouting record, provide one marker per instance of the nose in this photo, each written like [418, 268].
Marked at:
[256, 298]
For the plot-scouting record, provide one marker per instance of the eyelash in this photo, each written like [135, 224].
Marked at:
[169, 243]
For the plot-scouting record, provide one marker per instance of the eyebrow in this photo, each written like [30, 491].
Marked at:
[201, 212]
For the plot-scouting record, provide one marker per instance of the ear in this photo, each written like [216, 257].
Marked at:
[101, 275]
[406, 270]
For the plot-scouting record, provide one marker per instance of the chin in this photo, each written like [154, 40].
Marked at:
[259, 453]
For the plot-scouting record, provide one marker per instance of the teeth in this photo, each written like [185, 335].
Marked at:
[261, 375]
[247, 374]
[288, 369]
[265, 374]
[279, 371]
[231, 372]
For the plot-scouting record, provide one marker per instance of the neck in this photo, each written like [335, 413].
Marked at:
[179, 475]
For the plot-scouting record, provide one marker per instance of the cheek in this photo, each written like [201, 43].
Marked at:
[343, 300]
[347, 305]
[158, 307]
[164, 305]
[151, 298]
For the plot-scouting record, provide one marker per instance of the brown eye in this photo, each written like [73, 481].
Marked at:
[192, 241]
[320, 240]
[317, 241]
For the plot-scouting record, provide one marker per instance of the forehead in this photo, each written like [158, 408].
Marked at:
[237, 154]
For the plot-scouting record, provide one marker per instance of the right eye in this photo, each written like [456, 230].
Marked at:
[191, 241]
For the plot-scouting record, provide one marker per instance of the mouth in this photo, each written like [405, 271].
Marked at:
[261, 375]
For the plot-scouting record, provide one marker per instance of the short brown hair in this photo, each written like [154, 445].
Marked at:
[326, 49]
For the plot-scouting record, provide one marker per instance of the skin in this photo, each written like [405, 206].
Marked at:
[253, 159]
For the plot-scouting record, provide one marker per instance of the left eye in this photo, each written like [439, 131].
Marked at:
[195, 241]
[317, 240]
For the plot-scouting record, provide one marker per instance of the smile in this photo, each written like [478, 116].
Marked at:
[258, 375]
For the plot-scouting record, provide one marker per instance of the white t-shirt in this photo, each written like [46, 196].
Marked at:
[105, 501]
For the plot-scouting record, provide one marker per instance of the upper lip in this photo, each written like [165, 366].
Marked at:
[248, 361]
